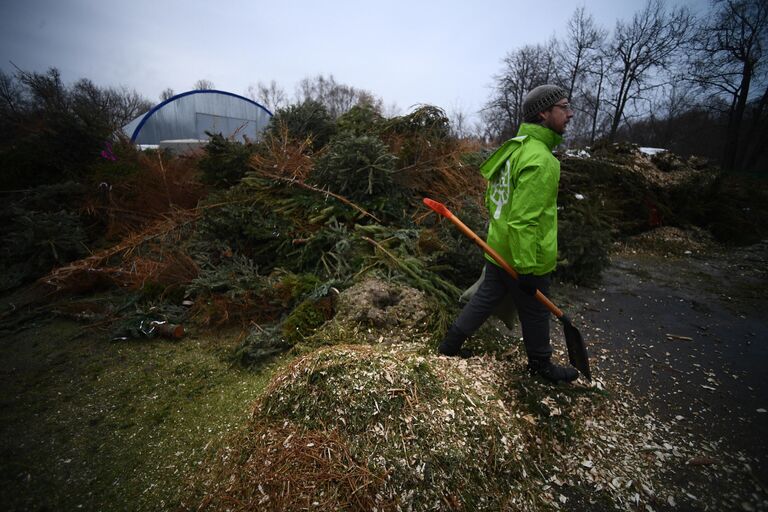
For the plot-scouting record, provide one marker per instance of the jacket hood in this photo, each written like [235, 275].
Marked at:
[541, 133]
[501, 155]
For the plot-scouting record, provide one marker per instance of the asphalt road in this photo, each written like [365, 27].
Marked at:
[690, 334]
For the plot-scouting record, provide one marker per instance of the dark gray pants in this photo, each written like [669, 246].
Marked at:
[534, 317]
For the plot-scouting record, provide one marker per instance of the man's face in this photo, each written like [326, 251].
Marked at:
[557, 116]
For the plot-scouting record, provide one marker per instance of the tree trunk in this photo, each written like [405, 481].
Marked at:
[621, 101]
[731, 152]
[597, 110]
[573, 76]
[618, 111]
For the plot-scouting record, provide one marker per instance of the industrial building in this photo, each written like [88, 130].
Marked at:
[181, 122]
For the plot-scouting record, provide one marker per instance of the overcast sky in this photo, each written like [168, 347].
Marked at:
[406, 52]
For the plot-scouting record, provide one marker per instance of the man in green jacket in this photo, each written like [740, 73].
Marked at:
[523, 178]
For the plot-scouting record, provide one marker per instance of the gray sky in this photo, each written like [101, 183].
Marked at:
[443, 53]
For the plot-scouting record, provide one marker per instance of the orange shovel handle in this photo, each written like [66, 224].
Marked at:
[441, 209]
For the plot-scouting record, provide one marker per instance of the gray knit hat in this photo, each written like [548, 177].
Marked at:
[541, 98]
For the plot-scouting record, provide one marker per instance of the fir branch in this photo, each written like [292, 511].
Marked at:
[303, 185]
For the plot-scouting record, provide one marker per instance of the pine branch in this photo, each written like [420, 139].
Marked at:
[303, 185]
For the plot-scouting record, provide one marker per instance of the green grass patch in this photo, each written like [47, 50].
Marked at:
[92, 424]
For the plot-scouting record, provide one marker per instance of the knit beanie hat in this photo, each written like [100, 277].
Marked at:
[541, 98]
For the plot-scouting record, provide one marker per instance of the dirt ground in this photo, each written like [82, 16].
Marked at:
[690, 332]
[687, 331]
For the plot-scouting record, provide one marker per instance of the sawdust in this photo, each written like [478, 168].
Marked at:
[423, 432]
[382, 305]
[672, 240]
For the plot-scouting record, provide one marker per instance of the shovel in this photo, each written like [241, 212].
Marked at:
[577, 352]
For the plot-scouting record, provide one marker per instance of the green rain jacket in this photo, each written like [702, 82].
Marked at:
[521, 197]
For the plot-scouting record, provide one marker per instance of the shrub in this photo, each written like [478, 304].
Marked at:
[426, 121]
[625, 196]
[360, 120]
[241, 224]
[419, 136]
[225, 161]
[735, 209]
[584, 242]
[361, 169]
[309, 119]
[50, 132]
[35, 242]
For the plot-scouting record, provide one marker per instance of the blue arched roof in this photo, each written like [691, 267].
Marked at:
[190, 114]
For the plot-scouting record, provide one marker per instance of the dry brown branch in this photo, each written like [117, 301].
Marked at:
[284, 156]
[88, 272]
[444, 176]
[127, 204]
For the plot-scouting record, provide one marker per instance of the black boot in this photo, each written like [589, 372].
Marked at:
[553, 373]
[451, 344]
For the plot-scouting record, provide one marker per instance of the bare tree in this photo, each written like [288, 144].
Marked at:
[641, 49]
[593, 96]
[128, 105]
[335, 97]
[120, 105]
[81, 110]
[109, 108]
[524, 69]
[12, 101]
[729, 57]
[167, 94]
[203, 84]
[671, 105]
[46, 90]
[581, 56]
[581, 46]
[271, 96]
[391, 110]
[459, 122]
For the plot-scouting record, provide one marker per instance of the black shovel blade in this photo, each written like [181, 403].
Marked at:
[577, 352]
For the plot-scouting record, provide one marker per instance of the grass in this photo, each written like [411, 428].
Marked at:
[92, 424]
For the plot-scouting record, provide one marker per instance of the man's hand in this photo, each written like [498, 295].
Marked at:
[527, 283]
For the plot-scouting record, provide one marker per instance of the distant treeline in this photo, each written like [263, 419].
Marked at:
[51, 132]
[695, 85]
[665, 78]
